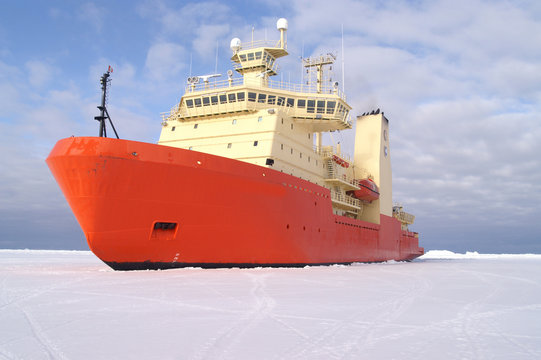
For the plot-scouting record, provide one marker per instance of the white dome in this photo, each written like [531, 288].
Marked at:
[235, 44]
[281, 24]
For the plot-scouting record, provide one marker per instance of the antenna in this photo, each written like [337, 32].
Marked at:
[206, 78]
[104, 114]
[282, 25]
[302, 66]
[343, 68]
[235, 45]
[190, 64]
[216, 66]
[316, 64]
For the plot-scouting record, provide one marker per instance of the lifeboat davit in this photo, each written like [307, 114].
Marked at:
[368, 190]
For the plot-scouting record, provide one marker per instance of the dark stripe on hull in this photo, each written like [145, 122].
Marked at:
[130, 266]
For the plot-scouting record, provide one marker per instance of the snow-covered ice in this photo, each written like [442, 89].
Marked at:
[69, 305]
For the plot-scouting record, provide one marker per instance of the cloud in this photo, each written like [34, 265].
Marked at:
[457, 79]
[459, 83]
[207, 38]
[39, 73]
[185, 20]
[164, 61]
[91, 14]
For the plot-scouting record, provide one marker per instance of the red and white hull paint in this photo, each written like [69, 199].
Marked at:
[224, 212]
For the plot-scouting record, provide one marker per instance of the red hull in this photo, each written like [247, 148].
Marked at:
[221, 212]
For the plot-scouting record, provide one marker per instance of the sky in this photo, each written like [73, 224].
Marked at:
[459, 81]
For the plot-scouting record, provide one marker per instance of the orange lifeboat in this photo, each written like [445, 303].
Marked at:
[340, 161]
[368, 190]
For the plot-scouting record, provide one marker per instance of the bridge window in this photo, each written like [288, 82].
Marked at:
[206, 101]
[214, 99]
[242, 57]
[258, 55]
[320, 106]
[240, 96]
[262, 98]
[251, 96]
[311, 106]
[223, 99]
[290, 102]
[232, 98]
[189, 103]
[330, 107]
[197, 102]
[281, 100]
[271, 100]
[250, 56]
[301, 103]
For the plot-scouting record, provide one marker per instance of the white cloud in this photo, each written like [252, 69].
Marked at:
[39, 73]
[91, 14]
[459, 81]
[207, 38]
[164, 61]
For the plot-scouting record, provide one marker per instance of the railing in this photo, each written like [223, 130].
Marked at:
[213, 84]
[304, 88]
[402, 216]
[262, 83]
[332, 175]
[328, 151]
[260, 43]
[341, 197]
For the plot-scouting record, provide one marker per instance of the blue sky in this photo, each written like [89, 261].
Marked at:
[459, 81]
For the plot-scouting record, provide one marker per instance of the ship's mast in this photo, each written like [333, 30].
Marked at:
[317, 63]
[104, 114]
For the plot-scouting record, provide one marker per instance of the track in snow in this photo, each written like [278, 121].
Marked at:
[56, 305]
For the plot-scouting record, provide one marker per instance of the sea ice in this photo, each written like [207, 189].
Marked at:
[69, 305]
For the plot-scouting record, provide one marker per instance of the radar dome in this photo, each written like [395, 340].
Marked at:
[235, 44]
[281, 24]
